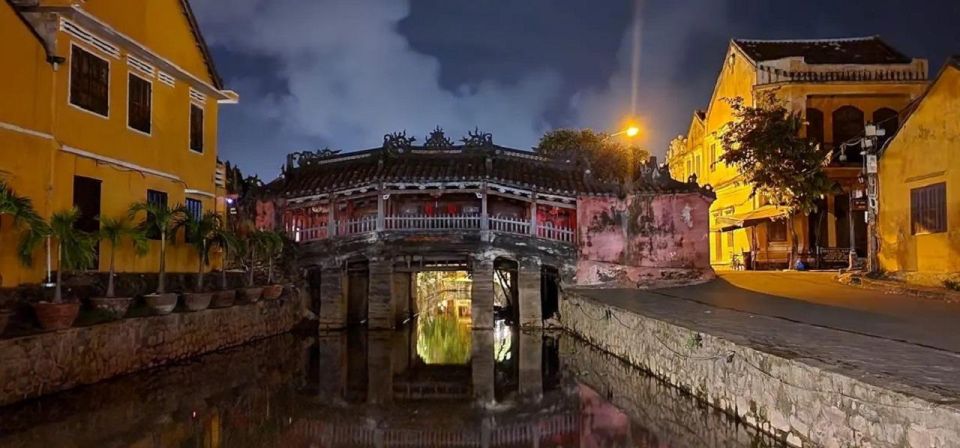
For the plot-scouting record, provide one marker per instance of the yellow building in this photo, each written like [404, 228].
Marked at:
[838, 85]
[105, 103]
[919, 188]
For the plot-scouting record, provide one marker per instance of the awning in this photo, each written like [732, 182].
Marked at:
[751, 218]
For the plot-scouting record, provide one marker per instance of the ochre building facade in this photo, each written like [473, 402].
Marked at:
[838, 86]
[110, 103]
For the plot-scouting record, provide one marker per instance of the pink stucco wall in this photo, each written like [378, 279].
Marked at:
[643, 240]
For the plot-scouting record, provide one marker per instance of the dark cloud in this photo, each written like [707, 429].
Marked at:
[343, 72]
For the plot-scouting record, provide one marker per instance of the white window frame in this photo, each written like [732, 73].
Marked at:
[149, 81]
[70, 80]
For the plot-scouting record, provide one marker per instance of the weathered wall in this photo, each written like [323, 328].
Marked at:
[643, 239]
[923, 153]
[791, 399]
[50, 362]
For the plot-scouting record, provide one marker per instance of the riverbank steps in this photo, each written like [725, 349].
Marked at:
[40, 364]
[798, 401]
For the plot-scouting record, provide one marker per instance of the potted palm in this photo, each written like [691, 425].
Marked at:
[272, 245]
[200, 233]
[251, 240]
[114, 231]
[226, 241]
[74, 250]
[163, 221]
[25, 218]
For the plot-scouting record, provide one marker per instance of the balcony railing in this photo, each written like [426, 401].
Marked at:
[423, 223]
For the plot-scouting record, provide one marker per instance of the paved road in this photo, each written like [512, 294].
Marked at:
[815, 298]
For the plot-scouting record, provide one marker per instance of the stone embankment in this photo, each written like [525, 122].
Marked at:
[40, 364]
[796, 397]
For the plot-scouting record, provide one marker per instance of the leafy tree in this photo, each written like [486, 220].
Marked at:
[163, 221]
[227, 241]
[74, 247]
[764, 142]
[113, 231]
[25, 217]
[272, 244]
[609, 157]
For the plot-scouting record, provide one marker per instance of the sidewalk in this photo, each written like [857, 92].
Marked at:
[904, 344]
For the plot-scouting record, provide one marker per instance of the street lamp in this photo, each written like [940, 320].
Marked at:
[630, 131]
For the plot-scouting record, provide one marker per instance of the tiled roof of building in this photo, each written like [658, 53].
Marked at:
[860, 50]
[495, 164]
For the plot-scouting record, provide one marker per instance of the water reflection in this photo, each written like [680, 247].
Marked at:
[409, 388]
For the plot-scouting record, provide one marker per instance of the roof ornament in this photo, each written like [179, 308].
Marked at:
[477, 139]
[397, 141]
[437, 139]
[309, 158]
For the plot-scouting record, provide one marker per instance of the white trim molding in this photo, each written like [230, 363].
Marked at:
[198, 193]
[21, 130]
[120, 163]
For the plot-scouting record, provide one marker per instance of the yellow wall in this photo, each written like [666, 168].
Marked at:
[738, 78]
[38, 158]
[925, 151]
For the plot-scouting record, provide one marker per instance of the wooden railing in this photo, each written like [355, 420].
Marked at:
[509, 225]
[502, 224]
[438, 222]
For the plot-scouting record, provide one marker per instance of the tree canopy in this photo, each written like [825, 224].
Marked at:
[765, 143]
[610, 158]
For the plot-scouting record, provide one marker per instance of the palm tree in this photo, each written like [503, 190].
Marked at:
[24, 217]
[164, 221]
[272, 244]
[201, 232]
[227, 240]
[74, 247]
[113, 231]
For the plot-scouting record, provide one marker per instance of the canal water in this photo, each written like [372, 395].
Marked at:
[434, 383]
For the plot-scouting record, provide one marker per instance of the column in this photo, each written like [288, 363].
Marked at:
[533, 217]
[481, 294]
[379, 367]
[484, 213]
[531, 364]
[380, 307]
[482, 366]
[332, 359]
[332, 217]
[381, 209]
[333, 303]
[401, 296]
[528, 288]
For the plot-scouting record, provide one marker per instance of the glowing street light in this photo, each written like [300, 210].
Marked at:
[632, 131]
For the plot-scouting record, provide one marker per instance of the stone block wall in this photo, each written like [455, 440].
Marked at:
[35, 365]
[643, 239]
[791, 399]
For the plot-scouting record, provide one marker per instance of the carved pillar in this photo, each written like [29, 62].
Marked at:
[484, 213]
[533, 216]
[482, 293]
[333, 303]
[482, 366]
[531, 364]
[380, 309]
[528, 286]
[332, 217]
[381, 209]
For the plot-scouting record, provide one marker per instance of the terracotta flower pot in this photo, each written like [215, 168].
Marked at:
[272, 292]
[223, 299]
[4, 320]
[251, 295]
[56, 316]
[116, 307]
[197, 301]
[161, 303]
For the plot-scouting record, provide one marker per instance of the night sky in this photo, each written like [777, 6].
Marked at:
[341, 73]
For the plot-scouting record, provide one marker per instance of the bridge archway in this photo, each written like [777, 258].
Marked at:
[358, 290]
[505, 292]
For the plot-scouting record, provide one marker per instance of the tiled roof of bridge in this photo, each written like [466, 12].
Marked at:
[509, 167]
[858, 50]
